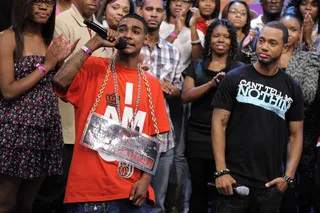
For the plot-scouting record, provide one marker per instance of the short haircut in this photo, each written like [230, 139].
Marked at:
[278, 25]
[143, 1]
[139, 18]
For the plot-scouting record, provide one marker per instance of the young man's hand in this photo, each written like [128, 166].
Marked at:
[140, 189]
[280, 183]
[224, 184]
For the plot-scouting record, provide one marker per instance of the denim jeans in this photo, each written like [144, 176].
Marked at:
[160, 180]
[258, 201]
[115, 206]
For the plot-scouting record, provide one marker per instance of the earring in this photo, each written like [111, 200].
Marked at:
[209, 52]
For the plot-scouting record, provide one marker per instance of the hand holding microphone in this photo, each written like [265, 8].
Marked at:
[109, 37]
[240, 190]
[224, 183]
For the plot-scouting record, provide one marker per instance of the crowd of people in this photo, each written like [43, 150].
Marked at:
[232, 99]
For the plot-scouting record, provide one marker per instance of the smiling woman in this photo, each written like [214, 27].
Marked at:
[112, 11]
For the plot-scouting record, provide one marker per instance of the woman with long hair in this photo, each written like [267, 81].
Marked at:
[309, 12]
[201, 83]
[111, 11]
[30, 128]
[304, 67]
[209, 11]
[238, 13]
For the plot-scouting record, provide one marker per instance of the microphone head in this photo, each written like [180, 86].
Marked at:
[121, 45]
[242, 190]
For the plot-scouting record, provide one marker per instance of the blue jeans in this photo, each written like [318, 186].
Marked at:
[266, 200]
[114, 206]
[160, 180]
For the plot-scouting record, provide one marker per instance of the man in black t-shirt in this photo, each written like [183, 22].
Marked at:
[258, 112]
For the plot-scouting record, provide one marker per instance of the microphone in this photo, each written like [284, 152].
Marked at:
[103, 33]
[240, 190]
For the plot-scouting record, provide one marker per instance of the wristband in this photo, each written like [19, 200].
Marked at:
[86, 50]
[221, 172]
[172, 34]
[196, 42]
[41, 68]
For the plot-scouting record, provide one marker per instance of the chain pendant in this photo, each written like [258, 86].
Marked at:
[125, 170]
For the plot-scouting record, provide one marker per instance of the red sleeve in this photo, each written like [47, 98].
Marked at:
[74, 93]
[159, 107]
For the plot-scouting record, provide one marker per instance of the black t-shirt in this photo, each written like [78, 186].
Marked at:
[257, 133]
[199, 124]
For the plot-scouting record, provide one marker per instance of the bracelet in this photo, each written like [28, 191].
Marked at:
[221, 172]
[249, 53]
[196, 42]
[310, 47]
[41, 68]
[86, 50]
[172, 34]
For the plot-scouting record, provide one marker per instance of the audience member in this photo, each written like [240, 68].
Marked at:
[209, 10]
[201, 83]
[164, 61]
[30, 128]
[258, 111]
[303, 66]
[271, 12]
[63, 5]
[309, 11]
[238, 13]
[112, 11]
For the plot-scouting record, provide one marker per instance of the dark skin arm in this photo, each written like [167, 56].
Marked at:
[220, 118]
[294, 154]
[169, 89]
[11, 88]
[196, 48]
[71, 67]
[139, 189]
[191, 93]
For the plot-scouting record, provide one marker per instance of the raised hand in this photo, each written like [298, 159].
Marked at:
[217, 79]
[307, 28]
[249, 38]
[178, 22]
[58, 51]
[66, 49]
[196, 16]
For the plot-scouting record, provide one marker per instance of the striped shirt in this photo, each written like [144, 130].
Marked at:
[164, 62]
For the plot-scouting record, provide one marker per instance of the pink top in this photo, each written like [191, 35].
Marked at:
[57, 11]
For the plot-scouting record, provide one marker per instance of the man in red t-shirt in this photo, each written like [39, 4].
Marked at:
[94, 182]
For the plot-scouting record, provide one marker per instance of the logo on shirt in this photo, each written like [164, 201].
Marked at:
[111, 99]
[264, 96]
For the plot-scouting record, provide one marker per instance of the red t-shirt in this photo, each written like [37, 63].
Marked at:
[93, 176]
